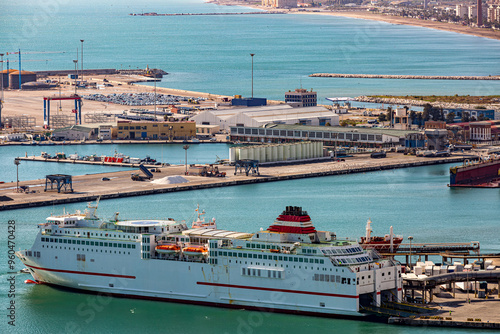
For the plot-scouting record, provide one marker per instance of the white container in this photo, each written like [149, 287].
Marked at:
[491, 267]
[436, 270]
[443, 270]
[417, 270]
[428, 270]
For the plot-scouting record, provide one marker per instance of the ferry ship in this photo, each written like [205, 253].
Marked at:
[290, 267]
[483, 173]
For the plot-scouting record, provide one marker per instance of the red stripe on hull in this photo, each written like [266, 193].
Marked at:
[278, 290]
[81, 272]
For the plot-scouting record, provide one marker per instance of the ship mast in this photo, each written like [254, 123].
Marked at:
[368, 230]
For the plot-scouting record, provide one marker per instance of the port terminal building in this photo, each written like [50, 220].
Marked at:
[259, 116]
[330, 136]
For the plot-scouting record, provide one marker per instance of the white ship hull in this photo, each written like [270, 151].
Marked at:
[222, 279]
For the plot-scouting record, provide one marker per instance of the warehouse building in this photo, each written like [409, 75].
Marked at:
[330, 136]
[259, 116]
[156, 130]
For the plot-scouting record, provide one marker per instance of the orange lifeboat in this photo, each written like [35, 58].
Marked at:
[195, 250]
[167, 249]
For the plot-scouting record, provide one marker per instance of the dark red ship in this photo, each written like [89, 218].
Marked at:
[484, 173]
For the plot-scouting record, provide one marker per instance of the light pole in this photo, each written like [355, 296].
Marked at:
[252, 54]
[16, 162]
[82, 57]
[410, 238]
[185, 147]
[1, 97]
[76, 72]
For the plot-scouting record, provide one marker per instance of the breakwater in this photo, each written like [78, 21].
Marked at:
[390, 76]
[119, 189]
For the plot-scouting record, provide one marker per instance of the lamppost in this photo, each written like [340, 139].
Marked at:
[16, 162]
[252, 54]
[410, 238]
[76, 72]
[82, 57]
[1, 97]
[185, 147]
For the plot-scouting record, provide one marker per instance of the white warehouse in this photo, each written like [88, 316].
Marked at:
[258, 116]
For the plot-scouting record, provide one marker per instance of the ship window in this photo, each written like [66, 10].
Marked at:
[280, 258]
[296, 259]
[87, 243]
[91, 243]
[51, 240]
[129, 246]
[348, 281]
[265, 257]
[255, 256]
[301, 260]
[275, 257]
[316, 261]
[260, 256]
[240, 255]
[245, 255]
[248, 245]
[243, 271]
[258, 272]
[65, 241]
[253, 245]
[258, 245]
[225, 253]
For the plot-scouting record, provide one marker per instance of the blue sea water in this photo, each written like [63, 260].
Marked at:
[415, 201]
[166, 153]
[212, 53]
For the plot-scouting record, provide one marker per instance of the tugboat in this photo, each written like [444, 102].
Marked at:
[387, 243]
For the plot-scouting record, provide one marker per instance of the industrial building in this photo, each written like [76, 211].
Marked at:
[277, 152]
[331, 136]
[206, 130]
[25, 76]
[156, 130]
[258, 116]
[75, 132]
[302, 98]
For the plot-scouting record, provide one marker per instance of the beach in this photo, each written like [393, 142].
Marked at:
[365, 15]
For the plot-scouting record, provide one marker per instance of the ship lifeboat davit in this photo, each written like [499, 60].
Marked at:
[195, 250]
[168, 249]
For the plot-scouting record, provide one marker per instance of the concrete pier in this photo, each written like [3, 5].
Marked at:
[89, 187]
[387, 76]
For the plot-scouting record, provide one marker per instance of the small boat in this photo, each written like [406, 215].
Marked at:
[200, 222]
[195, 250]
[168, 249]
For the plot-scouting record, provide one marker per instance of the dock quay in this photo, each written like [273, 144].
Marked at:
[388, 76]
[90, 187]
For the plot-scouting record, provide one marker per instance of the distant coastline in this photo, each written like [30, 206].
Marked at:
[479, 32]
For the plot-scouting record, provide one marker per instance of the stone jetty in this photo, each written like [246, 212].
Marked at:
[389, 76]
